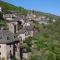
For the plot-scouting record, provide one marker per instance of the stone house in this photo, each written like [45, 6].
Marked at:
[11, 24]
[31, 16]
[28, 23]
[41, 20]
[26, 32]
[10, 15]
[9, 46]
[14, 24]
[19, 23]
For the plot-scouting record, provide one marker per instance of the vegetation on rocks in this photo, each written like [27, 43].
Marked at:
[2, 21]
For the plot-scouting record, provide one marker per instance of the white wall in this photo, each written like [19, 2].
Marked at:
[0, 9]
[17, 53]
[11, 26]
[31, 33]
[9, 49]
[27, 55]
[3, 50]
[22, 36]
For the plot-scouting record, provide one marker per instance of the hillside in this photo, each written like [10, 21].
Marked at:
[46, 44]
[8, 6]
[23, 11]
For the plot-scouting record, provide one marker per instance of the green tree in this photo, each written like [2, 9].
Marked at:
[37, 26]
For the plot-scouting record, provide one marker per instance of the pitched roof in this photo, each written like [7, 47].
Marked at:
[7, 37]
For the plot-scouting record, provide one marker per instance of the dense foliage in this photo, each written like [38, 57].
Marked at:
[46, 43]
[2, 21]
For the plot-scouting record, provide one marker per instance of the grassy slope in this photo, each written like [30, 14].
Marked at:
[8, 6]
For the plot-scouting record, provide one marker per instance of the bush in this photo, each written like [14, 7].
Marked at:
[3, 58]
[14, 58]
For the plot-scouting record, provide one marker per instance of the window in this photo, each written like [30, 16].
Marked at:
[14, 28]
[0, 46]
[8, 38]
[10, 51]
[0, 53]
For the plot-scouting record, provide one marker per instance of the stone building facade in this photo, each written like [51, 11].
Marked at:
[9, 46]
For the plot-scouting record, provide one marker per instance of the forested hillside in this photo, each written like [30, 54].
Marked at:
[46, 44]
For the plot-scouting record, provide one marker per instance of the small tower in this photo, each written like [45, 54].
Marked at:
[1, 9]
